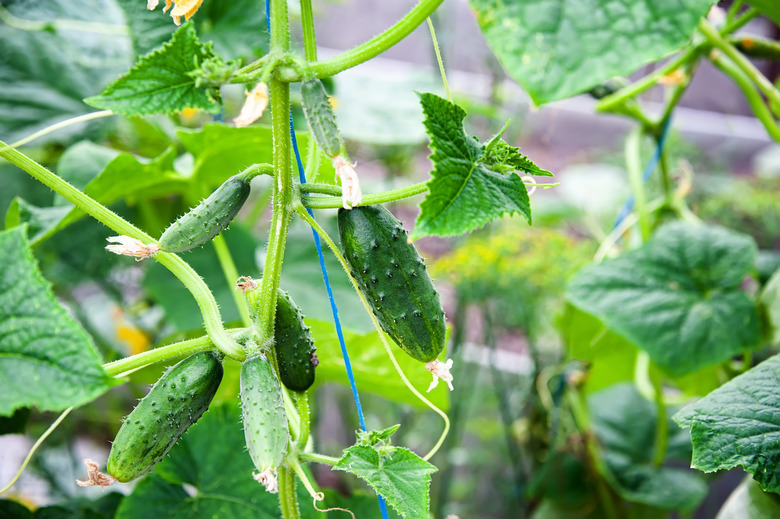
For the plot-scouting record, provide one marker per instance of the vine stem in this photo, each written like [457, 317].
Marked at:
[319, 458]
[740, 60]
[57, 126]
[288, 499]
[438, 59]
[373, 47]
[311, 221]
[34, 448]
[633, 163]
[373, 199]
[181, 269]
[231, 275]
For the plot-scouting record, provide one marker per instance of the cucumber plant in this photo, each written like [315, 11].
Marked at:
[472, 183]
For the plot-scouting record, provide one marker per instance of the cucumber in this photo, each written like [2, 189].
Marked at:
[319, 114]
[176, 401]
[392, 276]
[208, 218]
[295, 351]
[265, 422]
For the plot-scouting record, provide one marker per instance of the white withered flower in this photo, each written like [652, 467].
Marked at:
[255, 104]
[267, 478]
[440, 370]
[350, 185]
[131, 247]
[96, 478]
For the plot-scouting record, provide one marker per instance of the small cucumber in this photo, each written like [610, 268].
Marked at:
[208, 218]
[265, 422]
[295, 351]
[319, 114]
[176, 401]
[392, 276]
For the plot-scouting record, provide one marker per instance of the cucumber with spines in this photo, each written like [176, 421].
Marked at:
[208, 218]
[392, 275]
[265, 423]
[175, 402]
[319, 114]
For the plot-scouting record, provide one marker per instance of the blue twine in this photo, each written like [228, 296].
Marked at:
[646, 174]
[325, 279]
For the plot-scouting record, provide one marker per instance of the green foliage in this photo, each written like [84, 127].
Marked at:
[162, 81]
[44, 74]
[677, 297]
[748, 501]
[559, 48]
[769, 8]
[402, 477]
[770, 299]
[738, 424]
[373, 370]
[48, 360]
[472, 183]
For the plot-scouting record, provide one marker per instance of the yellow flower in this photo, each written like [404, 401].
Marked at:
[185, 8]
[255, 104]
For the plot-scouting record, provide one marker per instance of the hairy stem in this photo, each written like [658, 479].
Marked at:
[372, 199]
[307, 24]
[288, 501]
[319, 458]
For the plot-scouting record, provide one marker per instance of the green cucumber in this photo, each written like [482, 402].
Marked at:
[392, 276]
[319, 114]
[295, 352]
[265, 422]
[176, 401]
[208, 218]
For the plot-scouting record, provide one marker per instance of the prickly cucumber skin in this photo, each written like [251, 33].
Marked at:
[208, 218]
[175, 402]
[295, 351]
[392, 276]
[265, 422]
[319, 114]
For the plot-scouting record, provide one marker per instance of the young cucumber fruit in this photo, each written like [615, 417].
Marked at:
[176, 401]
[208, 218]
[392, 276]
[319, 114]
[294, 347]
[265, 422]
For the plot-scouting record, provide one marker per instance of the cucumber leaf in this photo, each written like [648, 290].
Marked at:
[769, 7]
[401, 476]
[558, 48]
[48, 361]
[677, 297]
[162, 82]
[738, 424]
[748, 501]
[472, 183]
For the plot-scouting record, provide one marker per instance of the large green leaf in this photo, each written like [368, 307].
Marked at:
[677, 297]
[770, 299]
[558, 48]
[748, 501]
[236, 28]
[207, 474]
[45, 74]
[401, 476]
[472, 183]
[373, 370]
[47, 359]
[162, 81]
[738, 424]
[769, 7]
[625, 424]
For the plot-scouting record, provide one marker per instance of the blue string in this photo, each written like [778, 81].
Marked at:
[646, 174]
[325, 279]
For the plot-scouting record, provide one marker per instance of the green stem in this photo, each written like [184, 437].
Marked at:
[57, 126]
[373, 47]
[163, 353]
[336, 252]
[302, 399]
[740, 22]
[634, 166]
[318, 458]
[376, 198]
[231, 275]
[661, 425]
[753, 98]
[288, 500]
[307, 24]
[439, 60]
[194, 283]
[296, 466]
[766, 86]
